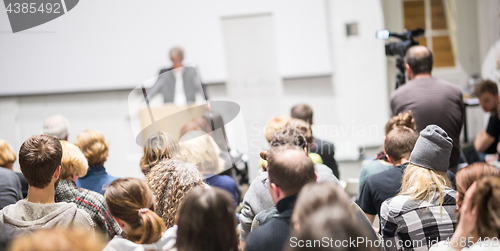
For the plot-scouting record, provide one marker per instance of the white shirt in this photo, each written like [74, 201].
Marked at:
[179, 96]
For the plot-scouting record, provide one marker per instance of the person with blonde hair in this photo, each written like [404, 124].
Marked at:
[479, 224]
[425, 208]
[132, 205]
[200, 149]
[95, 148]
[73, 166]
[10, 186]
[58, 239]
[170, 180]
[158, 146]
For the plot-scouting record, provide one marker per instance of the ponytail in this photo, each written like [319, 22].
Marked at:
[131, 201]
[153, 227]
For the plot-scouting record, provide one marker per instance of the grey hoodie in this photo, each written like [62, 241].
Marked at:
[32, 216]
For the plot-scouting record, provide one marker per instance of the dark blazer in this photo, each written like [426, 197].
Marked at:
[326, 150]
[165, 84]
[273, 235]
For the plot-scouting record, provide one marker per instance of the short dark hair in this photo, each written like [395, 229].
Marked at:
[302, 111]
[289, 135]
[206, 221]
[290, 168]
[39, 157]
[486, 86]
[420, 59]
[399, 142]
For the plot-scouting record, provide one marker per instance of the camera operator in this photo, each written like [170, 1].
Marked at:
[431, 100]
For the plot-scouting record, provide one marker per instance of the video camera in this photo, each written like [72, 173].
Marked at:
[399, 49]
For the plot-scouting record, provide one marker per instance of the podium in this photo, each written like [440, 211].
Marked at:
[168, 118]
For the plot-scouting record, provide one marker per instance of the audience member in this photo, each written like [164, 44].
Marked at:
[158, 146]
[170, 180]
[132, 203]
[40, 159]
[10, 188]
[57, 126]
[331, 228]
[59, 239]
[487, 139]
[257, 199]
[315, 196]
[200, 149]
[8, 235]
[73, 166]
[95, 148]
[7, 159]
[306, 130]
[479, 224]
[275, 124]
[381, 163]
[206, 221]
[289, 170]
[322, 147]
[469, 174]
[425, 209]
[431, 100]
[398, 146]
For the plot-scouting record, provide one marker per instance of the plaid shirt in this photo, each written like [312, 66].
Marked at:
[407, 224]
[93, 203]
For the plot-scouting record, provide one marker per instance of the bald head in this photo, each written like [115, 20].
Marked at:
[290, 168]
[419, 59]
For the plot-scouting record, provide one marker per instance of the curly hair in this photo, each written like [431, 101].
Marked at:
[274, 124]
[93, 146]
[158, 146]
[170, 180]
[73, 161]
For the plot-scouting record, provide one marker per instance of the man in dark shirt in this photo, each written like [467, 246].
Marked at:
[431, 100]
[398, 145]
[324, 148]
[487, 139]
[289, 169]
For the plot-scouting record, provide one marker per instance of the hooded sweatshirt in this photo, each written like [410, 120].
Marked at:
[166, 242]
[32, 216]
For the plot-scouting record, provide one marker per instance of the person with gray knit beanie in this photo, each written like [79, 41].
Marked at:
[425, 198]
[432, 149]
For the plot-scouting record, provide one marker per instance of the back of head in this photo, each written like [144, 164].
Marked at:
[399, 143]
[334, 224]
[314, 196]
[7, 155]
[290, 168]
[289, 135]
[158, 146]
[304, 128]
[200, 149]
[170, 180]
[58, 239]
[73, 161]
[57, 126]
[402, 119]
[303, 112]
[420, 60]
[275, 124]
[487, 200]
[470, 174]
[93, 146]
[131, 200]
[207, 221]
[39, 157]
[422, 184]
[486, 86]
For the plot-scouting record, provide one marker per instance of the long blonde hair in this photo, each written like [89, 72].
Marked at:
[422, 184]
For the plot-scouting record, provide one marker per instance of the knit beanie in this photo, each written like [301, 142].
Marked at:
[432, 149]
